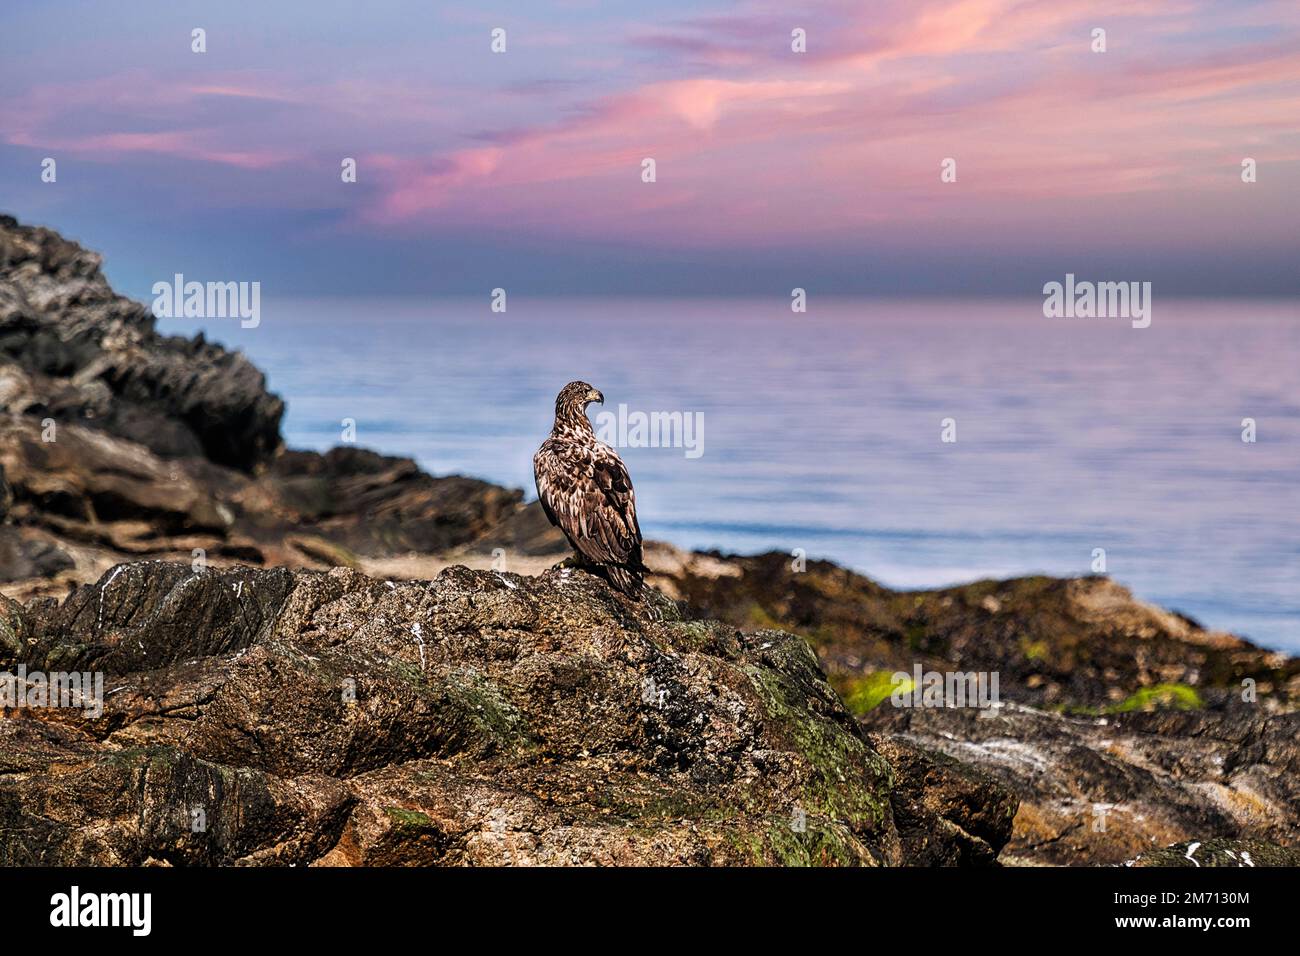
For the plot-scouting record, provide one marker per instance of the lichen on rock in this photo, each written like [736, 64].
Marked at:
[329, 717]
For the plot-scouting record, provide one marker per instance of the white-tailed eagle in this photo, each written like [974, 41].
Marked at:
[586, 492]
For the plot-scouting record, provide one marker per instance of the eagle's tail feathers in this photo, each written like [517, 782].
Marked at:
[626, 580]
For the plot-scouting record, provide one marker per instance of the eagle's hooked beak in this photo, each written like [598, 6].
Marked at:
[595, 396]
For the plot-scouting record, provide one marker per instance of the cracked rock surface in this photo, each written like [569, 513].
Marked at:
[328, 717]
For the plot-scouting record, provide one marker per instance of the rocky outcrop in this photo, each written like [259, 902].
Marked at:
[1073, 644]
[1101, 790]
[309, 717]
[117, 442]
[404, 509]
[79, 352]
[81, 503]
[1122, 728]
[948, 813]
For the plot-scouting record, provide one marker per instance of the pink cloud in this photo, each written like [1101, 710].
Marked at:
[756, 144]
[180, 145]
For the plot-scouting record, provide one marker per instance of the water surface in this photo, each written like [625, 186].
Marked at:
[822, 431]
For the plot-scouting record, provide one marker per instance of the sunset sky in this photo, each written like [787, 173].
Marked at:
[774, 169]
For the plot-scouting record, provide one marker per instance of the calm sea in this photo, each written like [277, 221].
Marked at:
[823, 431]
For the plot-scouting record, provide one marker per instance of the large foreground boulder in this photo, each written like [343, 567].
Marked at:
[267, 716]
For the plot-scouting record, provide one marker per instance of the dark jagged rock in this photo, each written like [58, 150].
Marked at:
[117, 442]
[1113, 769]
[314, 717]
[24, 556]
[152, 614]
[91, 490]
[1081, 643]
[379, 505]
[527, 532]
[947, 813]
[1100, 790]
[87, 355]
[85, 479]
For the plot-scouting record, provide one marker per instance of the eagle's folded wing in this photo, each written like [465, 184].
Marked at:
[593, 504]
[612, 508]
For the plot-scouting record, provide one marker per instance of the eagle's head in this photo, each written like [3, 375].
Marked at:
[574, 398]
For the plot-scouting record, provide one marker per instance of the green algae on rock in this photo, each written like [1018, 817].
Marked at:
[332, 718]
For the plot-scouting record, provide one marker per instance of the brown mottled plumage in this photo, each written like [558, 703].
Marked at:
[585, 490]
